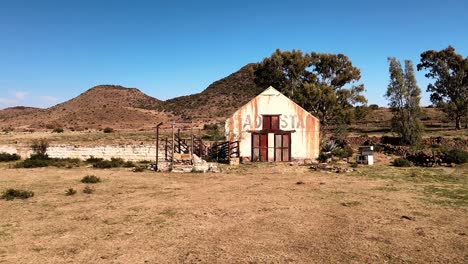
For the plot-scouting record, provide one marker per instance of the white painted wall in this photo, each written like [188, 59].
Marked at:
[304, 141]
[126, 152]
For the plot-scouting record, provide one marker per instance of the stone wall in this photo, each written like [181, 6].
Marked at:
[126, 152]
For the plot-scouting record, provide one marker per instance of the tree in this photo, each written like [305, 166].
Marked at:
[284, 70]
[404, 96]
[450, 89]
[321, 83]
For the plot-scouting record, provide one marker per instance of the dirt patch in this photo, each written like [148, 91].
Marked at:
[254, 214]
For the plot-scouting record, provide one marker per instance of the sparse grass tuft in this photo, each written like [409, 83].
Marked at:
[90, 179]
[88, 190]
[12, 194]
[70, 192]
[387, 189]
[445, 196]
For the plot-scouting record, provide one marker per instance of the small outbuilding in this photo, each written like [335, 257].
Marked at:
[271, 127]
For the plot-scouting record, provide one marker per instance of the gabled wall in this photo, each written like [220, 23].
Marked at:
[305, 139]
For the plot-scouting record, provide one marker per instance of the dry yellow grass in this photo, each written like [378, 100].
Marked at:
[256, 214]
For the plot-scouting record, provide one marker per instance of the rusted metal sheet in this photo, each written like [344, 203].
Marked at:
[303, 126]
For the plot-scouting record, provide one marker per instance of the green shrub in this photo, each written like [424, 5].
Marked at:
[33, 163]
[8, 157]
[11, 194]
[378, 148]
[456, 156]
[90, 179]
[70, 192]
[93, 160]
[42, 160]
[88, 190]
[323, 157]
[39, 146]
[329, 146]
[139, 169]
[345, 152]
[401, 162]
[113, 163]
[373, 106]
[129, 164]
[108, 130]
[57, 130]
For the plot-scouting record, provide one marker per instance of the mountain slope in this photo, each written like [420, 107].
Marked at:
[100, 106]
[218, 100]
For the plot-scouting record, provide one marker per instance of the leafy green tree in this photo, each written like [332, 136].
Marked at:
[404, 96]
[321, 83]
[450, 89]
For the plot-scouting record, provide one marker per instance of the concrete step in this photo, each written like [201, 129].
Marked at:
[182, 168]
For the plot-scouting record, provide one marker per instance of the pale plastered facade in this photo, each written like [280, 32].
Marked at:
[304, 127]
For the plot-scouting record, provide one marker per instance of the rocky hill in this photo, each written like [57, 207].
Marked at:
[98, 107]
[218, 100]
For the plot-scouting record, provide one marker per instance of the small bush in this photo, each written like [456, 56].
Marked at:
[42, 160]
[139, 169]
[4, 157]
[113, 163]
[129, 164]
[93, 160]
[456, 156]
[378, 148]
[324, 157]
[33, 163]
[88, 190]
[57, 130]
[329, 146]
[108, 130]
[70, 192]
[401, 162]
[373, 106]
[39, 146]
[345, 152]
[90, 179]
[11, 194]
[65, 163]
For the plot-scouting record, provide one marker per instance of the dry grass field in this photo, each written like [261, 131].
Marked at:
[259, 213]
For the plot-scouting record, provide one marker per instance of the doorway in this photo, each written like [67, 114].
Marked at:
[283, 147]
[259, 147]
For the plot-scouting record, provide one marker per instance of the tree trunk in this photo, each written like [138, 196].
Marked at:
[457, 122]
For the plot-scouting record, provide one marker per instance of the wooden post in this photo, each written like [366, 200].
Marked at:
[166, 149]
[179, 139]
[229, 152]
[157, 145]
[191, 143]
[173, 141]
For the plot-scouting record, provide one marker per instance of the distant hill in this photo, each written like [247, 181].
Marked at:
[13, 112]
[219, 100]
[98, 107]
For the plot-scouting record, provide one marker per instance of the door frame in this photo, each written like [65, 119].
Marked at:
[259, 146]
[289, 145]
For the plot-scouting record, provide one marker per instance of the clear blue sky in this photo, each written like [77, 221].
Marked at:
[51, 51]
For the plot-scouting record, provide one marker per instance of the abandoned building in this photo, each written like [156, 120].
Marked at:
[271, 127]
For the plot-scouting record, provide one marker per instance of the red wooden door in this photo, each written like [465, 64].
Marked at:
[259, 147]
